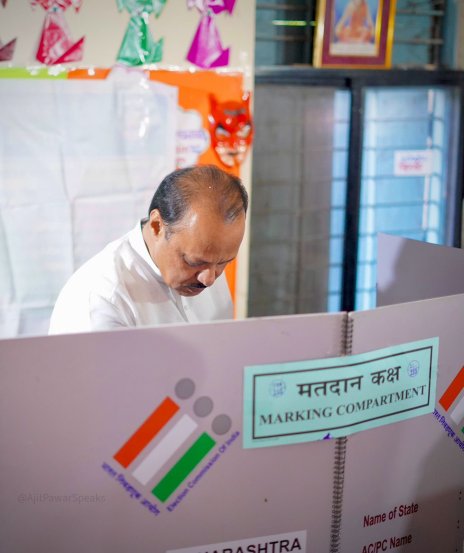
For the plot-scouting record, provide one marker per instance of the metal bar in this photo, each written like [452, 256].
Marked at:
[412, 11]
[400, 231]
[389, 205]
[353, 195]
[419, 41]
[396, 205]
[436, 32]
[456, 192]
[271, 6]
[281, 38]
[299, 229]
[310, 29]
[313, 76]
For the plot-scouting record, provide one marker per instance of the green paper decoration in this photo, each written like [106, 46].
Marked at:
[138, 46]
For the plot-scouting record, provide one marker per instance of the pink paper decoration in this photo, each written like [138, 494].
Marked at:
[55, 43]
[57, 4]
[218, 6]
[206, 50]
[7, 50]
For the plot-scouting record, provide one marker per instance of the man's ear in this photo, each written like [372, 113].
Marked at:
[156, 224]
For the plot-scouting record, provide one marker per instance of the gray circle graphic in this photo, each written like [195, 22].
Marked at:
[221, 424]
[203, 406]
[184, 388]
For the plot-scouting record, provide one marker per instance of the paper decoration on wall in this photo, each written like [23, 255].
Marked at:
[107, 144]
[206, 50]
[55, 44]
[231, 129]
[138, 46]
[7, 50]
[192, 138]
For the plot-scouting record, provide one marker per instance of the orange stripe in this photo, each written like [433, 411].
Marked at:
[88, 74]
[146, 432]
[453, 390]
[231, 271]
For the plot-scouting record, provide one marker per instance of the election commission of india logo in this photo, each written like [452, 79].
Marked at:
[167, 447]
[452, 400]
[277, 388]
[413, 369]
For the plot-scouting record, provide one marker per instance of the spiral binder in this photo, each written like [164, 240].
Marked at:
[340, 456]
[347, 333]
[337, 494]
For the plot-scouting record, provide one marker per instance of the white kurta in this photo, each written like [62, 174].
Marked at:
[122, 287]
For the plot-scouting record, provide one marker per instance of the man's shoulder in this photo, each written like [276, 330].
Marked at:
[103, 268]
[101, 282]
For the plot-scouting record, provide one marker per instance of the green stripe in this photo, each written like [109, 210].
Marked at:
[39, 73]
[183, 467]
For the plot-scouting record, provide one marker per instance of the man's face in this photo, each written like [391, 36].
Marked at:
[194, 254]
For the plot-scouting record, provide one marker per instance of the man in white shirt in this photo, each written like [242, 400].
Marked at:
[163, 271]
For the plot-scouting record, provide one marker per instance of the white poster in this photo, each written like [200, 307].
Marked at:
[413, 163]
[79, 163]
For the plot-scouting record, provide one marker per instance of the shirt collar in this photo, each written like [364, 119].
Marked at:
[138, 243]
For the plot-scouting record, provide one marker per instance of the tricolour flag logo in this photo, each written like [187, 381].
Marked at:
[164, 439]
[452, 400]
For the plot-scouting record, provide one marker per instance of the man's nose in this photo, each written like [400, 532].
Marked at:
[207, 276]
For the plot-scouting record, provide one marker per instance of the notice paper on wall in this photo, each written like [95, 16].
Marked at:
[413, 163]
[79, 163]
[322, 399]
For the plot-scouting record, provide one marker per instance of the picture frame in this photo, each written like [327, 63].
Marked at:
[354, 33]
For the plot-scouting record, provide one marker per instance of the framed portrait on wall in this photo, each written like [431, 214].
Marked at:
[354, 33]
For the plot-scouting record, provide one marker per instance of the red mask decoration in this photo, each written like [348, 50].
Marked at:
[231, 129]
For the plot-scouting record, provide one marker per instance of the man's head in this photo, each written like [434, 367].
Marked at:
[195, 226]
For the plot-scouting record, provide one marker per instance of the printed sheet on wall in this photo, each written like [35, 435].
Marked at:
[79, 162]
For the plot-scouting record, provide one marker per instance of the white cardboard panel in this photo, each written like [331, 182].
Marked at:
[412, 461]
[410, 270]
[67, 404]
